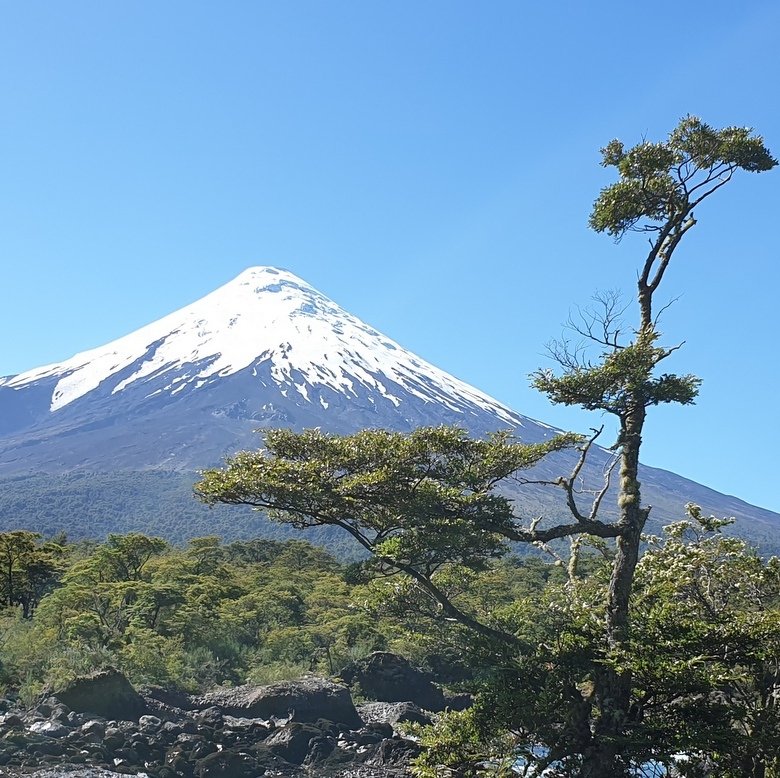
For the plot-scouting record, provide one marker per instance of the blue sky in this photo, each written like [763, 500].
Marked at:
[428, 165]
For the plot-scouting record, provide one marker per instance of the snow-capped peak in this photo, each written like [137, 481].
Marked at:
[262, 316]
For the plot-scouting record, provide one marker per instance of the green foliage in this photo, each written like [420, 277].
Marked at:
[622, 378]
[704, 658]
[456, 746]
[660, 181]
[706, 647]
[90, 506]
[149, 657]
[424, 498]
[29, 568]
[575, 674]
[420, 500]
[191, 617]
[659, 186]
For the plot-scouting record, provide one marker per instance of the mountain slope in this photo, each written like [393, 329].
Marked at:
[264, 350]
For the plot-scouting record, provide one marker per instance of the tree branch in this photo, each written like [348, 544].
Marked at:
[446, 605]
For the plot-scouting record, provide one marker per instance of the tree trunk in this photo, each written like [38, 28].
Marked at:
[612, 689]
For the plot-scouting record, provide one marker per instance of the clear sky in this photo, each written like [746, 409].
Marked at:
[428, 165]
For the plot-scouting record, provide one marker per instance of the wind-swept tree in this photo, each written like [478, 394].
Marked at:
[425, 502]
[659, 186]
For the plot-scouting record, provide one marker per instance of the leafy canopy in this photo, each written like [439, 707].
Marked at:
[622, 379]
[422, 499]
[660, 181]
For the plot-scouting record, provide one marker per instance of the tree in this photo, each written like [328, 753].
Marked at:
[427, 501]
[417, 502]
[29, 568]
[705, 649]
[660, 186]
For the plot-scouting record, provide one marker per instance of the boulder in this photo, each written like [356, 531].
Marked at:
[461, 701]
[393, 753]
[392, 713]
[390, 678]
[173, 698]
[305, 700]
[226, 764]
[93, 730]
[50, 729]
[106, 693]
[291, 742]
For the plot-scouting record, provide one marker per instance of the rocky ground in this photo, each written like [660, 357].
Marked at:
[101, 727]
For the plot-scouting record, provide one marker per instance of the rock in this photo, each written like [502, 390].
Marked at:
[113, 737]
[50, 729]
[319, 749]
[307, 699]
[171, 729]
[210, 717]
[61, 713]
[177, 759]
[209, 741]
[52, 748]
[170, 697]
[393, 753]
[107, 693]
[327, 727]
[226, 764]
[149, 724]
[93, 730]
[382, 728]
[392, 713]
[245, 725]
[45, 708]
[76, 719]
[458, 701]
[291, 742]
[127, 756]
[390, 678]
[202, 749]
[12, 721]
[365, 737]
[76, 771]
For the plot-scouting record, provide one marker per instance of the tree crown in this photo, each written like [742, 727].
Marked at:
[664, 181]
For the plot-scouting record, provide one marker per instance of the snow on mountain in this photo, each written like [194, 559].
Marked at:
[265, 350]
[264, 316]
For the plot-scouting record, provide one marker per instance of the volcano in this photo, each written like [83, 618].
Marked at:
[264, 350]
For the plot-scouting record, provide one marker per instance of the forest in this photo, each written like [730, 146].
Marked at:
[704, 653]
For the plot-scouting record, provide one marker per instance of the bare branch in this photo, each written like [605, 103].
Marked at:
[721, 183]
[567, 356]
[601, 323]
[550, 551]
[721, 172]
[663, 309]
[604, 489]
[586, 527]
[669, 244]
[567, 484]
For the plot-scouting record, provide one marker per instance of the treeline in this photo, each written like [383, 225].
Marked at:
[209, 613]
[188, 617]
[92, 506]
